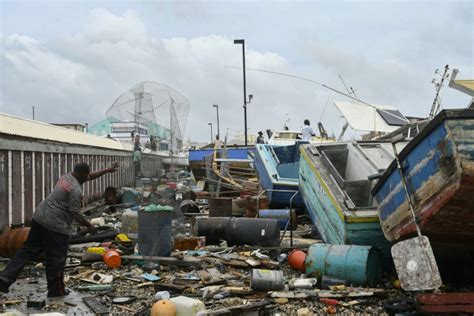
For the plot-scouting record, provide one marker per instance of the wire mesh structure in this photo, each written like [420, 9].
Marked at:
[156, 106]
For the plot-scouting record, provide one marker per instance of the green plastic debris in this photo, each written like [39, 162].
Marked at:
[154, 208]
[95, 288]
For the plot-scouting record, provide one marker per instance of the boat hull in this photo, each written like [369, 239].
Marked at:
[325, 206]
[267, 172]
[438, 165]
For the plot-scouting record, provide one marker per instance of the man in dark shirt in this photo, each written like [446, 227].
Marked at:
[51, 229]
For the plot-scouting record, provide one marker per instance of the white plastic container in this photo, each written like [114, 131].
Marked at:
[186, 306]
[98, 221]
[130, 223]
[303, 283]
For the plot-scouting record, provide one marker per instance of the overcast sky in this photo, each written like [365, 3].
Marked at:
[72, 59]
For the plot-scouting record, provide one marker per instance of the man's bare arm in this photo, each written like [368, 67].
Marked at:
[96, 174]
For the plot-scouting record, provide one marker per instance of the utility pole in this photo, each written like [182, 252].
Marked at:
[218, 125]
[241, 41]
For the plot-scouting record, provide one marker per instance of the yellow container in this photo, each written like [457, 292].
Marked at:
[122, 238]
[99, 250]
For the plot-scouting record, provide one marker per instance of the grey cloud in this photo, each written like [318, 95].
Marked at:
[77, 78]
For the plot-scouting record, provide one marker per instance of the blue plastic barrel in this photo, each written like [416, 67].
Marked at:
[358, 265]
[282, 215]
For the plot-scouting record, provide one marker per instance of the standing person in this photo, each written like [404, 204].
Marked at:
[51, 229]
[137, 158]
[260, 138]
[307, 131]
[136, 142]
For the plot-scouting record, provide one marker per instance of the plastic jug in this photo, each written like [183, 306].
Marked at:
[186, 306]
[130, 223]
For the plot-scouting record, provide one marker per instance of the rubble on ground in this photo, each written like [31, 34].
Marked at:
[197, 277]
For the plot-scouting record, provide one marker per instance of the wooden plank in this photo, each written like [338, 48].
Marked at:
[62, 160]
[28, 178]
[69, 163]
[93, 166]
[38, 178]
[47, 174]
[87, 185]
[16, 188]
[446, 298]
[4, 193]
[101, 179]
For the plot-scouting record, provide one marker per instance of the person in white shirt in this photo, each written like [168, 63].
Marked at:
[307, 131]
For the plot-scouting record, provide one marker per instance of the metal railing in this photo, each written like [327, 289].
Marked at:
[290, 222]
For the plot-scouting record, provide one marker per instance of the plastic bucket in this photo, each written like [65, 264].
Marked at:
[112, 259]
[154, 233]
[267, 280]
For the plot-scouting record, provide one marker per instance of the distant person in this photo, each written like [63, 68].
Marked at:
[132, 134]
[307, 132]
[137, 158]
[51, 229]
[217, 142]
[260, 138]
[136, 142]
[153, 143]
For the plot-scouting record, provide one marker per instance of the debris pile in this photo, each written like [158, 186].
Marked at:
[169, 248]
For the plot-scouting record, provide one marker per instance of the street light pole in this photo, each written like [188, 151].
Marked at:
[212, 136]
[241, 41]
[218, 125]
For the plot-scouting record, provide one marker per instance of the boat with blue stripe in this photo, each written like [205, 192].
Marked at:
[438, 165]
[335, 183]
[277, 167]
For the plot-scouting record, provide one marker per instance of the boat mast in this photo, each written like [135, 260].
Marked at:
[436, 102]
[352, 93]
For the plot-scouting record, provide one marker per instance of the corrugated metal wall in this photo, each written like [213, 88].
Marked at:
[29, 170]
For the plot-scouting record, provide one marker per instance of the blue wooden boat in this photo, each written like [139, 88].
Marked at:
[439, 167]
[335, 182]
[277, 167]
[197, 157]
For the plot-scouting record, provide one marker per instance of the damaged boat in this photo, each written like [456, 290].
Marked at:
[439, 168]
[277, 168]
[335, 183]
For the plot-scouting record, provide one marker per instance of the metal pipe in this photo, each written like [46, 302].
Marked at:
[291, 217]
[218, 125]
[271, 190]
[212, 135]
[291, 210]
[400, 170]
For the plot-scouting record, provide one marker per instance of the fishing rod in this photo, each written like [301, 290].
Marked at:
[320, 84]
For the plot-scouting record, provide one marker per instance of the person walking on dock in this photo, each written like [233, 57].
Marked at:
[51, 228]
[307, 131]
